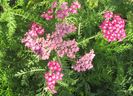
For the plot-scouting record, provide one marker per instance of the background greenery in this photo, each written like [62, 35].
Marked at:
[21, 72]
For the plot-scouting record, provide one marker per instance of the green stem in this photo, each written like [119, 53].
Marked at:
[87, 39]
[72, 60]
[43, 89]
[58, 58]
[79, 27]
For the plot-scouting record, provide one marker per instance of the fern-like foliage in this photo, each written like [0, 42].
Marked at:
[8, 18]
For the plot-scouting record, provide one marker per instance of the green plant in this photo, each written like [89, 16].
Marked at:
[22, 71]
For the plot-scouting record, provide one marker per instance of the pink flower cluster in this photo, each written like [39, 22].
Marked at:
[74, 6]
[54, 66]
[36, 30]
[113, 27]
[61, 29]
[43, 47]
[65, 28]
[68, 48]
[54, 4]
[85, 62]
[37, 44]
[30, 39]
[62, 47]
[48, 15]
[63, 11]
[53, 76]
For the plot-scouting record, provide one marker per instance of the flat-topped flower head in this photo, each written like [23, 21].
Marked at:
[85, 62]
[48, 15]
[74, 6]
[51, 80]
[68, 48]
[40, 46]
[31, 36]
[113, 27]
[65, 28]
[53, 76]
[63, 11]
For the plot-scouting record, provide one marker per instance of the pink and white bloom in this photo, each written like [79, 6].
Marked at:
[113, 27]
[64, 28]
[40, 46]
[68, 48]
[53, 76]
[63, 11]
[85, 62]
[48, 15]
[74, 6]
[61, 14]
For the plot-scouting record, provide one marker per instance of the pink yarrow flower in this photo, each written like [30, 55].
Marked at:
[63, 11]
[68, 48]
[65, 28]
[113, 27]
[36, 30]
[48, 15]
[40, 46]
[66, 10]
[64, 6]
[53, 76]
[54, 4]
[85, 62]
[61, 14]
[61, 30]
[43, 47]
[74, 6]
[54, 66]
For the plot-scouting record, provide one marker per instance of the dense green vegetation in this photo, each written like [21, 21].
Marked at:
[21, 72]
